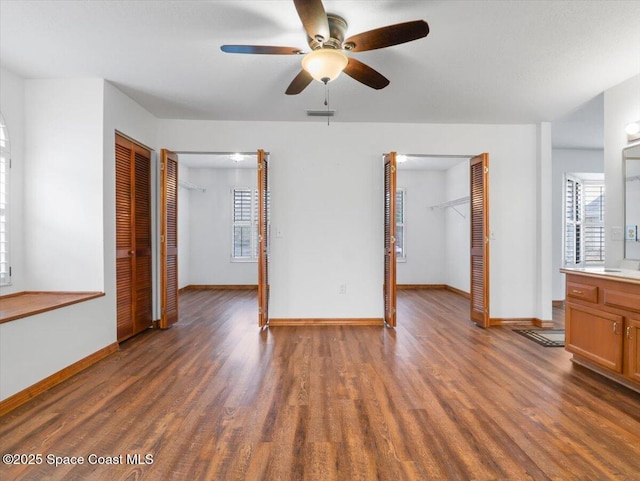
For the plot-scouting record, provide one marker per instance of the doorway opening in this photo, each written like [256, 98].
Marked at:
[224, 222]
[433, 219]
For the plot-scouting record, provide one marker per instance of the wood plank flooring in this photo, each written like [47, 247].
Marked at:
[214, 398]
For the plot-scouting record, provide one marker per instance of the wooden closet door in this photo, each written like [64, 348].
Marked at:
[142, 246]
[479, 179]
[133, 238]
[169, 239]
[263, 239]
[389, 287]
[124, 238]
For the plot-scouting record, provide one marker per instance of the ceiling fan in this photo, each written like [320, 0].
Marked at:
[325, 36]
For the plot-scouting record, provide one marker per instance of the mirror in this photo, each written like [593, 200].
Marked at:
[631, 157]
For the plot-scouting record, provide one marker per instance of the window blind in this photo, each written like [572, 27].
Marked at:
[400, 221]
[243, 207]
[244, 243]
[584, 236]
[573, 225]
[594, 201]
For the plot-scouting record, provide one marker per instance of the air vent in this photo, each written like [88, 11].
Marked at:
[321, 113]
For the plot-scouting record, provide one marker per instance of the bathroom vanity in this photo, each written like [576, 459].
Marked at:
[602, 321]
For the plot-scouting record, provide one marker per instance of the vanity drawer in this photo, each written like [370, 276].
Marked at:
[582, 291]
[622, 300]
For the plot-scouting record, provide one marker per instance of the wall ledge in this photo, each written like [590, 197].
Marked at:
[28, 303]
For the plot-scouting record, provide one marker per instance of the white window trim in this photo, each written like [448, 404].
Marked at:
[5, 184]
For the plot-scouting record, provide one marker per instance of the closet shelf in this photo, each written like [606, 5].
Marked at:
[189, 186]
[452, 203]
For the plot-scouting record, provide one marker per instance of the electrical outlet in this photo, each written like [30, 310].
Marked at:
[342, 289]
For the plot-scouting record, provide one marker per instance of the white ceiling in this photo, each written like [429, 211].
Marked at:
[482, 62]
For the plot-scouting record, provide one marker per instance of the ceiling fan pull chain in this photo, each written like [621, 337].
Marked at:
[326, 99]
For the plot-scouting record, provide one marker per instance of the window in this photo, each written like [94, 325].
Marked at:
[584, 222]
[244, 230]
[5, 164]
[400, 219]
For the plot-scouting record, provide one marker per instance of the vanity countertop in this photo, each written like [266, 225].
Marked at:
[622, 275]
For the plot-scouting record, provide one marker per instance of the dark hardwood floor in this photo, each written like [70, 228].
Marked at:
[438, 398]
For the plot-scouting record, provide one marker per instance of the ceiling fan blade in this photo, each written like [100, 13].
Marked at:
[299, 83]
[261, 49]
[313, 17]
[387, 36]
[365, 74]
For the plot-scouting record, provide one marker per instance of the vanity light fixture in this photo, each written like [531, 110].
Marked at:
[633, 131]
[237, 157]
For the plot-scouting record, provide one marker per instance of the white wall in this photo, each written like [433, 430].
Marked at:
[12, 107]
[35, 347]
[436, 240]
[544, 254]
[63, 231]
[424, 227]
[567, 161]
[210, 229]
[63, 196]
[127, 117]
[621, 107]
[63, 245]
[317, 169]
[184, 221]
[457, 229]
[69, 129]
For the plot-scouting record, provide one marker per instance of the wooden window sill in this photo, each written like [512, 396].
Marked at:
[27, 303]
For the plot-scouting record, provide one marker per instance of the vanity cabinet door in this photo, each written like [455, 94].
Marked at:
[632, 344]
[595, 335]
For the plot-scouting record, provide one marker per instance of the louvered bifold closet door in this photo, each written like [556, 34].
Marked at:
[263, 239]
[133, 238]
[169, 238]
[142, 207]
[124, 238]
[389, 287]
[479, 177]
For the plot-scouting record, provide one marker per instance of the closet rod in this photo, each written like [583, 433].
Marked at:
[451, 203]
[189, 186]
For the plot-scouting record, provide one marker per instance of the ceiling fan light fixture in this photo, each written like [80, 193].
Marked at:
[325, 64]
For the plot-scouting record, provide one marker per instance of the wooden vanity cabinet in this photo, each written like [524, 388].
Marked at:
[595, 335]
[602, 325]
[632, 347]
